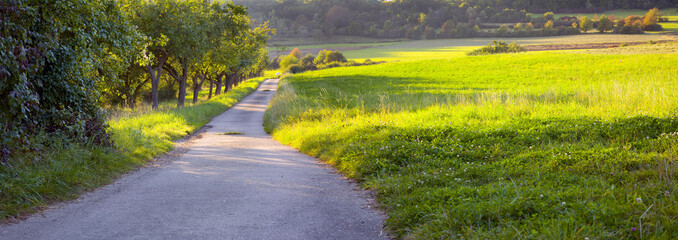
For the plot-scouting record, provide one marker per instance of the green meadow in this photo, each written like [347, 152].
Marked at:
[537, 145]
[451, 48]
[65, 170]
[670, 26]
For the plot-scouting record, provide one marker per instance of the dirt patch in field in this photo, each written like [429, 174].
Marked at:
[550, 47]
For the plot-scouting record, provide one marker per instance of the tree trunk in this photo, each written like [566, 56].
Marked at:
[209, 96]
[198, 80]
[155, 74]
[230, 80]
[155, 84]
[182, 84]
[130, 101]
[220, 82]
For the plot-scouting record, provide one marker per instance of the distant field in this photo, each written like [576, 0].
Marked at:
[670, 26]
[535, 145]
[448, 48]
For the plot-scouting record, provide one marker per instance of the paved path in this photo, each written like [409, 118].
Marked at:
[224, 187]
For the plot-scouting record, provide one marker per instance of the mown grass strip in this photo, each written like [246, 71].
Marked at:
[63, 170]
[532, 145]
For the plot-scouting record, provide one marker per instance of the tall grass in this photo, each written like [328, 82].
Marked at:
[533, 145]
[61, 170]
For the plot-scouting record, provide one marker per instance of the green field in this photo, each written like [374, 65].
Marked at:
[536, 145]
[670, 26]
[450, 48]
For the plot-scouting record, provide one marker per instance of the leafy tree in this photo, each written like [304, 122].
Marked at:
[605, 24]
[650, 20]
[296, 53]
[549, 16]
[585, 24]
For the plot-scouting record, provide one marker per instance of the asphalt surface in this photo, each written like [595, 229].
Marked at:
[223, 187]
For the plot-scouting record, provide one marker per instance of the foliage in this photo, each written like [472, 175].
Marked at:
[296, 53]
[54, 55]
[650, 20]
[307, 60]
[334, 56]
[288, 60]
[630, 25]
[549, 16]
[496, 48]
[605, 24]
[295, 68]
[533, 146]
[332, 59]
[322, 55]
[585, 24]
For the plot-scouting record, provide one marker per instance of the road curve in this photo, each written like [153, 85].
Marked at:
[224, 187]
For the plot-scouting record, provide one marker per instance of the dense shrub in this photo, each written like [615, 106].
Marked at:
[321, 57]
[497, 47]
[568, 31]
[274, 64]
[288, 60]
[295, 68]
[628, 29]
[307, 60]
[335, 56]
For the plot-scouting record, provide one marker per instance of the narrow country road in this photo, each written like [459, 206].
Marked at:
[223, 187]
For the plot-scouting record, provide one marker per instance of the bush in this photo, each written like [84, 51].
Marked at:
[274, 64]
[549, 16]
[653, 27]
[321, 57]
[628, 29]
[307, 60]
[295, 68]
[335, 56]
[497, 47]
[288, 60]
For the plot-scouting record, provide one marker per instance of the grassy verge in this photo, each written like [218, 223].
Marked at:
[62, 170]
[532, 145]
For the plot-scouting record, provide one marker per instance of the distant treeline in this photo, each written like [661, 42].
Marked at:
[418, 18]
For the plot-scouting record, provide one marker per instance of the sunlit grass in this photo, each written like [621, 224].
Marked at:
[531, 145]
[670, 26]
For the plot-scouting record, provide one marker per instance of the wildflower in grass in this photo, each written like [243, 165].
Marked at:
[639, 200]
